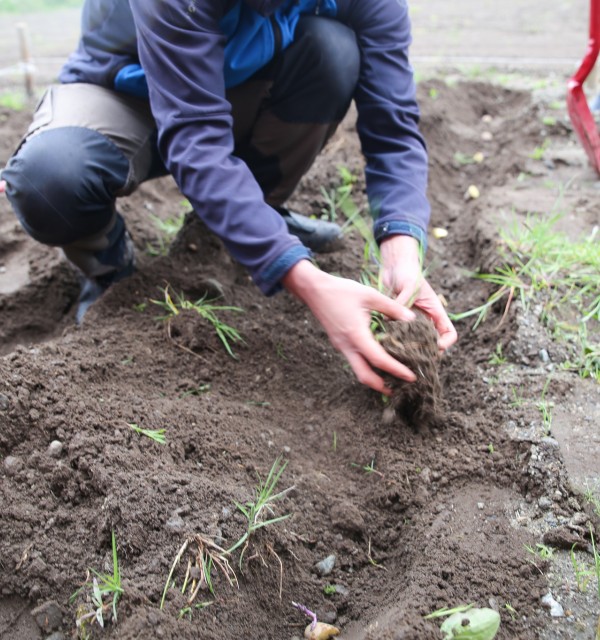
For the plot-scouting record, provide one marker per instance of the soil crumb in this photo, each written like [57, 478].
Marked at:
[414, 344]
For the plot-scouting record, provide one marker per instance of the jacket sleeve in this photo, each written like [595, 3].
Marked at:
[388, 117]
[181, 50]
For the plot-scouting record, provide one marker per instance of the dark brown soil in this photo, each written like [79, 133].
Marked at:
[417, 519]
[415, 345]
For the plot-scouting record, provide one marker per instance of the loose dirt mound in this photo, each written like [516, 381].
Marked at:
[415, 519]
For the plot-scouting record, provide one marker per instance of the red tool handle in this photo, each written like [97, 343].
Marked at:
[583, 121]
[591, 54]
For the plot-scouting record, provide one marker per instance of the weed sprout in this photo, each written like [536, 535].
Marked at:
[158, 435]
[264, 499]
[105, 592]
[207, 310]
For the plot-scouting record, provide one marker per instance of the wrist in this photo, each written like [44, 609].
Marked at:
[302, 278]
[400, 249]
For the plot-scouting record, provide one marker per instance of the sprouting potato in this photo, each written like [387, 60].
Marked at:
[321, 631]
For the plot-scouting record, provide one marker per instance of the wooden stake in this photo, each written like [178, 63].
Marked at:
[23, 33]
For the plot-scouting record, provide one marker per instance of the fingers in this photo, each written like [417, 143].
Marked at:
[372, 354]
[380, 358]
[447, 335]
[343, 308]
[365, 375]
[432, 306]
[409, 292]
[427, 301]
[389, 307]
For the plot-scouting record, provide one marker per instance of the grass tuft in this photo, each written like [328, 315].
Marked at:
[105, 592]
[158, 435]
[207, 310]
[543, 266]
[13, 100]
[24, 6]
[168, 229]
[254, 511]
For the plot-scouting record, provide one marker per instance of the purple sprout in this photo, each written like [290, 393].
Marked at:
[308, 613]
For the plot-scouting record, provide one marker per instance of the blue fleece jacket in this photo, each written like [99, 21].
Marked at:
[184, 53]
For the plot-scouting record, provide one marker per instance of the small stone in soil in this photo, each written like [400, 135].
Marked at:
[325, 567]
[48, 616]
[12, 465]
[55, 449]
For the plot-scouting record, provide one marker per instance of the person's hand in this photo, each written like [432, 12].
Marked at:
[402, 277]
[343, 308]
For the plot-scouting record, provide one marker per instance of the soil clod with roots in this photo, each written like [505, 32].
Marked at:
[414, 344]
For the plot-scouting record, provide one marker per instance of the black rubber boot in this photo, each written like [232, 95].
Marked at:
[319, 236]
[94, 288]
[103, 260]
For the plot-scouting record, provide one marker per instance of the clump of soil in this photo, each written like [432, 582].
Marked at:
[414, 344]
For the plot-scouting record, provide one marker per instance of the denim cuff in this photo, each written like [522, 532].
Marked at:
[386, 228]
[269, 281]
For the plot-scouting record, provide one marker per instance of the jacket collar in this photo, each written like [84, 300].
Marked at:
[264, 7]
